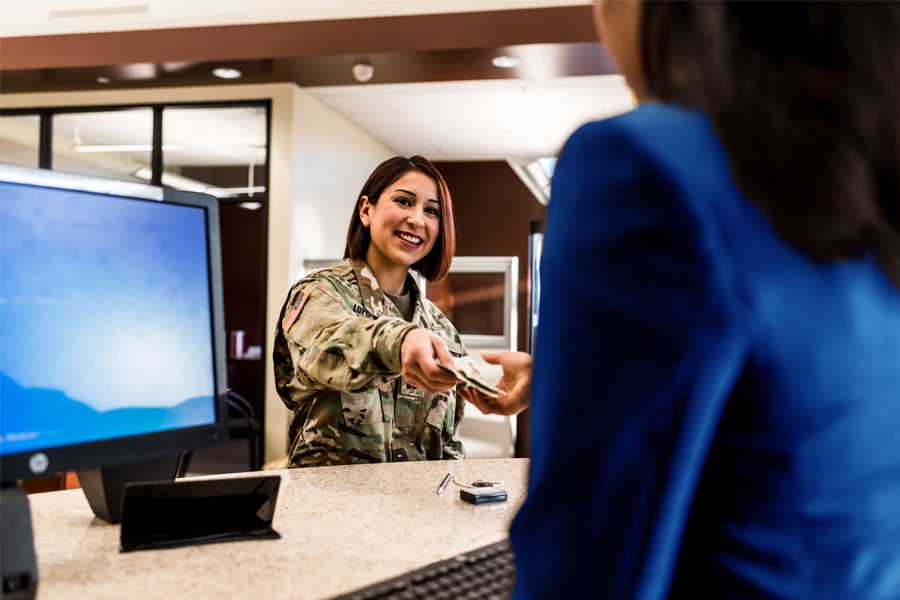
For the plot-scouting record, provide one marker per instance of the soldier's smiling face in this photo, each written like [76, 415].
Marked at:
[404, 222]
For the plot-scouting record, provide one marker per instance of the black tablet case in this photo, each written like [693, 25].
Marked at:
[171, 514]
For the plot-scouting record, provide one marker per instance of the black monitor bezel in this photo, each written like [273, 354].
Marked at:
[113, 451]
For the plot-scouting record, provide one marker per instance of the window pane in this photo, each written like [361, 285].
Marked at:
[114, 144]
[19, 140]
[220, 151]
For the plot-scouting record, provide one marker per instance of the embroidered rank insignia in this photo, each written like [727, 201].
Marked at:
[295, 311]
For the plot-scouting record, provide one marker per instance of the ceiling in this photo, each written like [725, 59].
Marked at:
[513, 119]
[435, 91]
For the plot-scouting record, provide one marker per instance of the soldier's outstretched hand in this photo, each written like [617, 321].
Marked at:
[516, 382]
[420, 351]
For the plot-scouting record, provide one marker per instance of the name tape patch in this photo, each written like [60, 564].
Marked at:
[362, 311]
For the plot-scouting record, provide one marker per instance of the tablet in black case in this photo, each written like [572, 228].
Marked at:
[170, 514]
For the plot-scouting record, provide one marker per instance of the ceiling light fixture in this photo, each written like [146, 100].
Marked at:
[175, 181]
[506, 62]
[124, 148]
[192, 185]
[536, 175]
[227, 73]
[363, 71]
[548, 165]
[249, 190]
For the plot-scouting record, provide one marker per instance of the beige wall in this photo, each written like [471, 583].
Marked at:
[319, 161]
[332, 160]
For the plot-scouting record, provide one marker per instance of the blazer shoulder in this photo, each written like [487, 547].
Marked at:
[675, 139]
[656, 128]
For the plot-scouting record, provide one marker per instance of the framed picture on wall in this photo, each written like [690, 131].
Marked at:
[480, 297]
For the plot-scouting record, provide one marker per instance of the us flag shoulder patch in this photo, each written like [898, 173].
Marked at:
[295, 310]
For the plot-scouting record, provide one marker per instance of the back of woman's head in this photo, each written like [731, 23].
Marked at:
[436, 264]
[805, 97]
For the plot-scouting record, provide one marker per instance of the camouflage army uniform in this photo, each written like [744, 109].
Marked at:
[337, 367]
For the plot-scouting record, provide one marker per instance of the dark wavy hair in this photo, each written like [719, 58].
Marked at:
[805, 97]
[436, 264]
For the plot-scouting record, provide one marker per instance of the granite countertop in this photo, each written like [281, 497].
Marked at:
[341, 528]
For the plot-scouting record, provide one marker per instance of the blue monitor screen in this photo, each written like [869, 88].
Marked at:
[105, 318]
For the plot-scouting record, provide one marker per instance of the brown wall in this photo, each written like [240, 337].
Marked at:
[494, 211]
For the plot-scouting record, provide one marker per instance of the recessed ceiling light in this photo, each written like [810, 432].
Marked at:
[363, 71]
[103, 80]
[227, 73]
[506, 62]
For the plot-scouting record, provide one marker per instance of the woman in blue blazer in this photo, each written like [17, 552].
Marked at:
[716, 392]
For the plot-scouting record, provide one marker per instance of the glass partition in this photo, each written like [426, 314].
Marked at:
[20, 140]
[115, 144]
[216, 150]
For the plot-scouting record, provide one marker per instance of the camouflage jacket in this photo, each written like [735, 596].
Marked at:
[337, 367]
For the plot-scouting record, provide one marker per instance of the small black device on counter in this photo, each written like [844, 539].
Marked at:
[483, 495]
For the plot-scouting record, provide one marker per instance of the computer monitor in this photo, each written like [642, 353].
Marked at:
[112, 343]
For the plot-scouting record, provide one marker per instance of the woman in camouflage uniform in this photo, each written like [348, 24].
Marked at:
[357, 344]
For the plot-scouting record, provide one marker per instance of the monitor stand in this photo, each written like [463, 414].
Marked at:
[18, 568]
[105, 486]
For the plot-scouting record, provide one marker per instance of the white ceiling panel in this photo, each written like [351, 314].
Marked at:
[508, 119]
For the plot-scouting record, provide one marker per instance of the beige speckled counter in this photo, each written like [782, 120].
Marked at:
[341, 528]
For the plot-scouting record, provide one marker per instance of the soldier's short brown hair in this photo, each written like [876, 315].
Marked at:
[436, 264]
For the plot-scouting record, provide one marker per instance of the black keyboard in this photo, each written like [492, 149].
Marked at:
[488, 573]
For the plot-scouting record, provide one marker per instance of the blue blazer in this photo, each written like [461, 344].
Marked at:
[715, 415]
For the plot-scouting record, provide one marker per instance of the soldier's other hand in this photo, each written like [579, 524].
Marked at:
[419, 353]
[516, 382]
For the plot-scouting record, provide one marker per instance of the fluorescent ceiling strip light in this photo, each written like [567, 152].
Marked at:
[182, 183]
[534, 176]
[123, 148]
[191, 185]
[548, 165]
[257, 189]
[539, 177]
